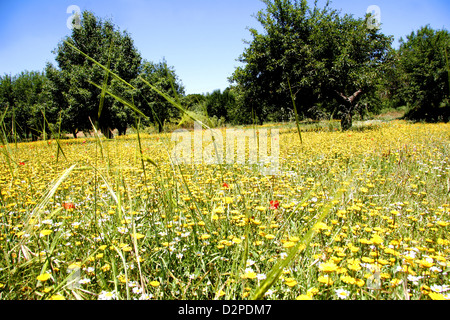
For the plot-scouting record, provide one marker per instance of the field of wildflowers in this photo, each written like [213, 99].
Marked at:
[363, 214]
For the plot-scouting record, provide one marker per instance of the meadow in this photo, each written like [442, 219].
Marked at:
[358, 215]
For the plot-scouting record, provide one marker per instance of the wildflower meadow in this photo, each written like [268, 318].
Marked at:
[361, 214]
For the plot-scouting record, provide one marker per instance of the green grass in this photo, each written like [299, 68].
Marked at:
[201, 228]
[357, 215]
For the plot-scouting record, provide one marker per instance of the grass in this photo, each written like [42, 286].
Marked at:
[356, 215]
[391, 114]
[121, 220]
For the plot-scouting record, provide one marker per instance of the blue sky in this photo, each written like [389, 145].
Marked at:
[201, 39]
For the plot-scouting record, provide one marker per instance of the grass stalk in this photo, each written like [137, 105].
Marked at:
[297, 120]
[37, 211]
[302, 245]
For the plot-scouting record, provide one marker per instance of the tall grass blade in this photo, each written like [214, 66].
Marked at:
[56, 138]
[119, 252]
[98, 64]
[97, 138]
[130, 105]
[112, 193]
[296, 113]
[448, 70]
[6, 150]
[65, 281]
[174, 103]
[105, 83]
[13, 124]
[138, 122]
[35, 214]
[59, 137]
[277, 269]
[126, 103]
[4, 115]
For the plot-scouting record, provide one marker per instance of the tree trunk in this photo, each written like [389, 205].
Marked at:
[349, 107]
[74, 132]
[346, 121]
[122, 131]
[107, 133]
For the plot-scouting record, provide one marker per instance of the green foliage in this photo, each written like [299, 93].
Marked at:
[7, 100]
[387, 93]
[101, 41]
[187, 120]
[329, 65]
[156, 107]
[26, 97]
[425, 74]
[219, 103]
[6, 91]
[194, 102]
[326, 57]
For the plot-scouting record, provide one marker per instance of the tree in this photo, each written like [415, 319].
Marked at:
[327, 59]
[25, 99]
[194, 102]
[58, 89]
[101, 41]
[357, 62]
[153, 105]
[7, 100]
[392, 81]
[423, 63]
[218, 103]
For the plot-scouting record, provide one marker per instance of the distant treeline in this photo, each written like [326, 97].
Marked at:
[310, 60]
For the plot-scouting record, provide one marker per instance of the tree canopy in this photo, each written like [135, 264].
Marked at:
[25, 100]
[101, 41]
[154, 106]
[327, 59]
[425, 74]
[326, 63]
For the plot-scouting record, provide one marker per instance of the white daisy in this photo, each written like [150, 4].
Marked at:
[440, 289]
[146, 296]
[261, 276]
[107, 295]
[137, 290]
[269, 292]
[342, 294]
[122, 230]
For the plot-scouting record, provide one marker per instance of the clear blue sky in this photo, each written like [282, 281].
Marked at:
[201, 39]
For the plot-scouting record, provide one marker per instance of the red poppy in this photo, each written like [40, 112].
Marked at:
[225, 185]
[274, 204]
[21, 163]
[68, 205]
